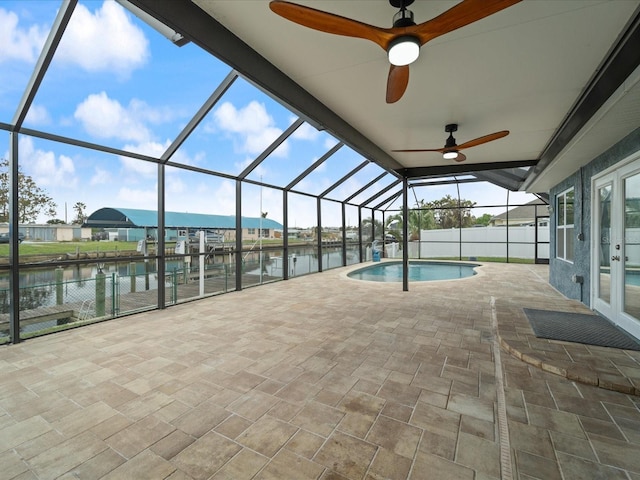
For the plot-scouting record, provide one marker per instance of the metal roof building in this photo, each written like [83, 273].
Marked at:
[131, 218]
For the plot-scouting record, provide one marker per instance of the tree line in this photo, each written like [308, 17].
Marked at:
[447, 212]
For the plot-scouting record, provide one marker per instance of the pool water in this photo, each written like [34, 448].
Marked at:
[419, 271]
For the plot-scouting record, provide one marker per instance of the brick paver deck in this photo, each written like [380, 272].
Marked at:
[323, 377]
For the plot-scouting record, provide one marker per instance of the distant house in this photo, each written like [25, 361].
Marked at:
[133, 224]
[50, 232]
[523, 215]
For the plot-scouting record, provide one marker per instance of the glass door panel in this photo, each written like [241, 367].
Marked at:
[631, 259]
[616, 252]
[604, 244]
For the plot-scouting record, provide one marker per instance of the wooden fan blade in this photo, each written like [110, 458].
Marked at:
[331, 23]
[397, 82]
[487, 138]
[464, 13]
[461, 157]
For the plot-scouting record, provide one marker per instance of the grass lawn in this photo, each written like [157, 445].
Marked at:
[57, 248]
[52, 248]
[489, 259]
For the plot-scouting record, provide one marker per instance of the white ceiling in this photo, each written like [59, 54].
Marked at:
[521, 69]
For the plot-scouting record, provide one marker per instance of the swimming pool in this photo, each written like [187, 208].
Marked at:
[419, 271]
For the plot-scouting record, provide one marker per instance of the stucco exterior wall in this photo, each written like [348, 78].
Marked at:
[561, 273]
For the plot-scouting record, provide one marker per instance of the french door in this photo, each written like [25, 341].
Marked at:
[616, 246]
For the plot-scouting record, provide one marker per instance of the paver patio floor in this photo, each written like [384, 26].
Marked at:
[323, 377]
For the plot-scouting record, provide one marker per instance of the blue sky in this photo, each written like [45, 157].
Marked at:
[116, 82]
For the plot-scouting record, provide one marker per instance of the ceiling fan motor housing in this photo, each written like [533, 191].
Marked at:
[451, 142]
[404, 18]
[400, 3]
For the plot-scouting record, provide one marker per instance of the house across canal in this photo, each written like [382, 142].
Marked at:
[129, 224]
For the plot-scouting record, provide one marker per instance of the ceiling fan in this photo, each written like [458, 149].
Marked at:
[451, 150]
[402, 41]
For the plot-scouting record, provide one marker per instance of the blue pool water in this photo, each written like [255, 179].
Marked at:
[419, 271]
[632, 277]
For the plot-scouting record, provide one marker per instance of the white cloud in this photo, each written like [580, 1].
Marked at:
[225, 198]
[154, 150]
[18, 43]
[251, 128]
[345, 190]
[175, 185]
[321, 168]
[107, 118]
[138, 198]
[137, 167]
[260, 170]
[38, 115]
[305, 132]
[45, 168]
[183, 158]
[101, 177]
[330, 142]
[151, 149]
[105, 40]
[104, 117]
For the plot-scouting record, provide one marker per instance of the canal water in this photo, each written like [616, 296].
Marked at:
[40, 286]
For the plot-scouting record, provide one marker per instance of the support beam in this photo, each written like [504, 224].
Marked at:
[388, 199]
[381, 192]
[239, 235]
[372, 182]
[344, 179]
[160, 251]
[439, 170]
[502, 179]
[313, 166]
[292, 128]
[14, 259]
[405, 236]
[285, 235]
[200, 114]
[319, 231]
[44, 60]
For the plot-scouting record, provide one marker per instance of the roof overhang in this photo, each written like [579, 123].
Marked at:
[561, 76]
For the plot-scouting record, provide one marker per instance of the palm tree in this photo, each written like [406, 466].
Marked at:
[420, 218]
[79, 208]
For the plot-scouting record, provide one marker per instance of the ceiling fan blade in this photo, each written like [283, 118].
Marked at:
[487, 138]
[397, 82]
[464, 13]
[331, 23]
[461, 157]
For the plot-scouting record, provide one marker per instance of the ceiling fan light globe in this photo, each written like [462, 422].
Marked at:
[452, 155]
[403, 50]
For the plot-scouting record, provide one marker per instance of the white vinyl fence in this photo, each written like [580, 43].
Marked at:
[518, 242]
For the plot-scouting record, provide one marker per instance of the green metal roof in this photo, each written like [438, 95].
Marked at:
[131, 217]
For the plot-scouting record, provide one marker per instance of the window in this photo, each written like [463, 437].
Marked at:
[564, 222]
[251, 231]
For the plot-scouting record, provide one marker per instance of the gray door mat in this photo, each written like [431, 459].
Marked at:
[579, 328]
